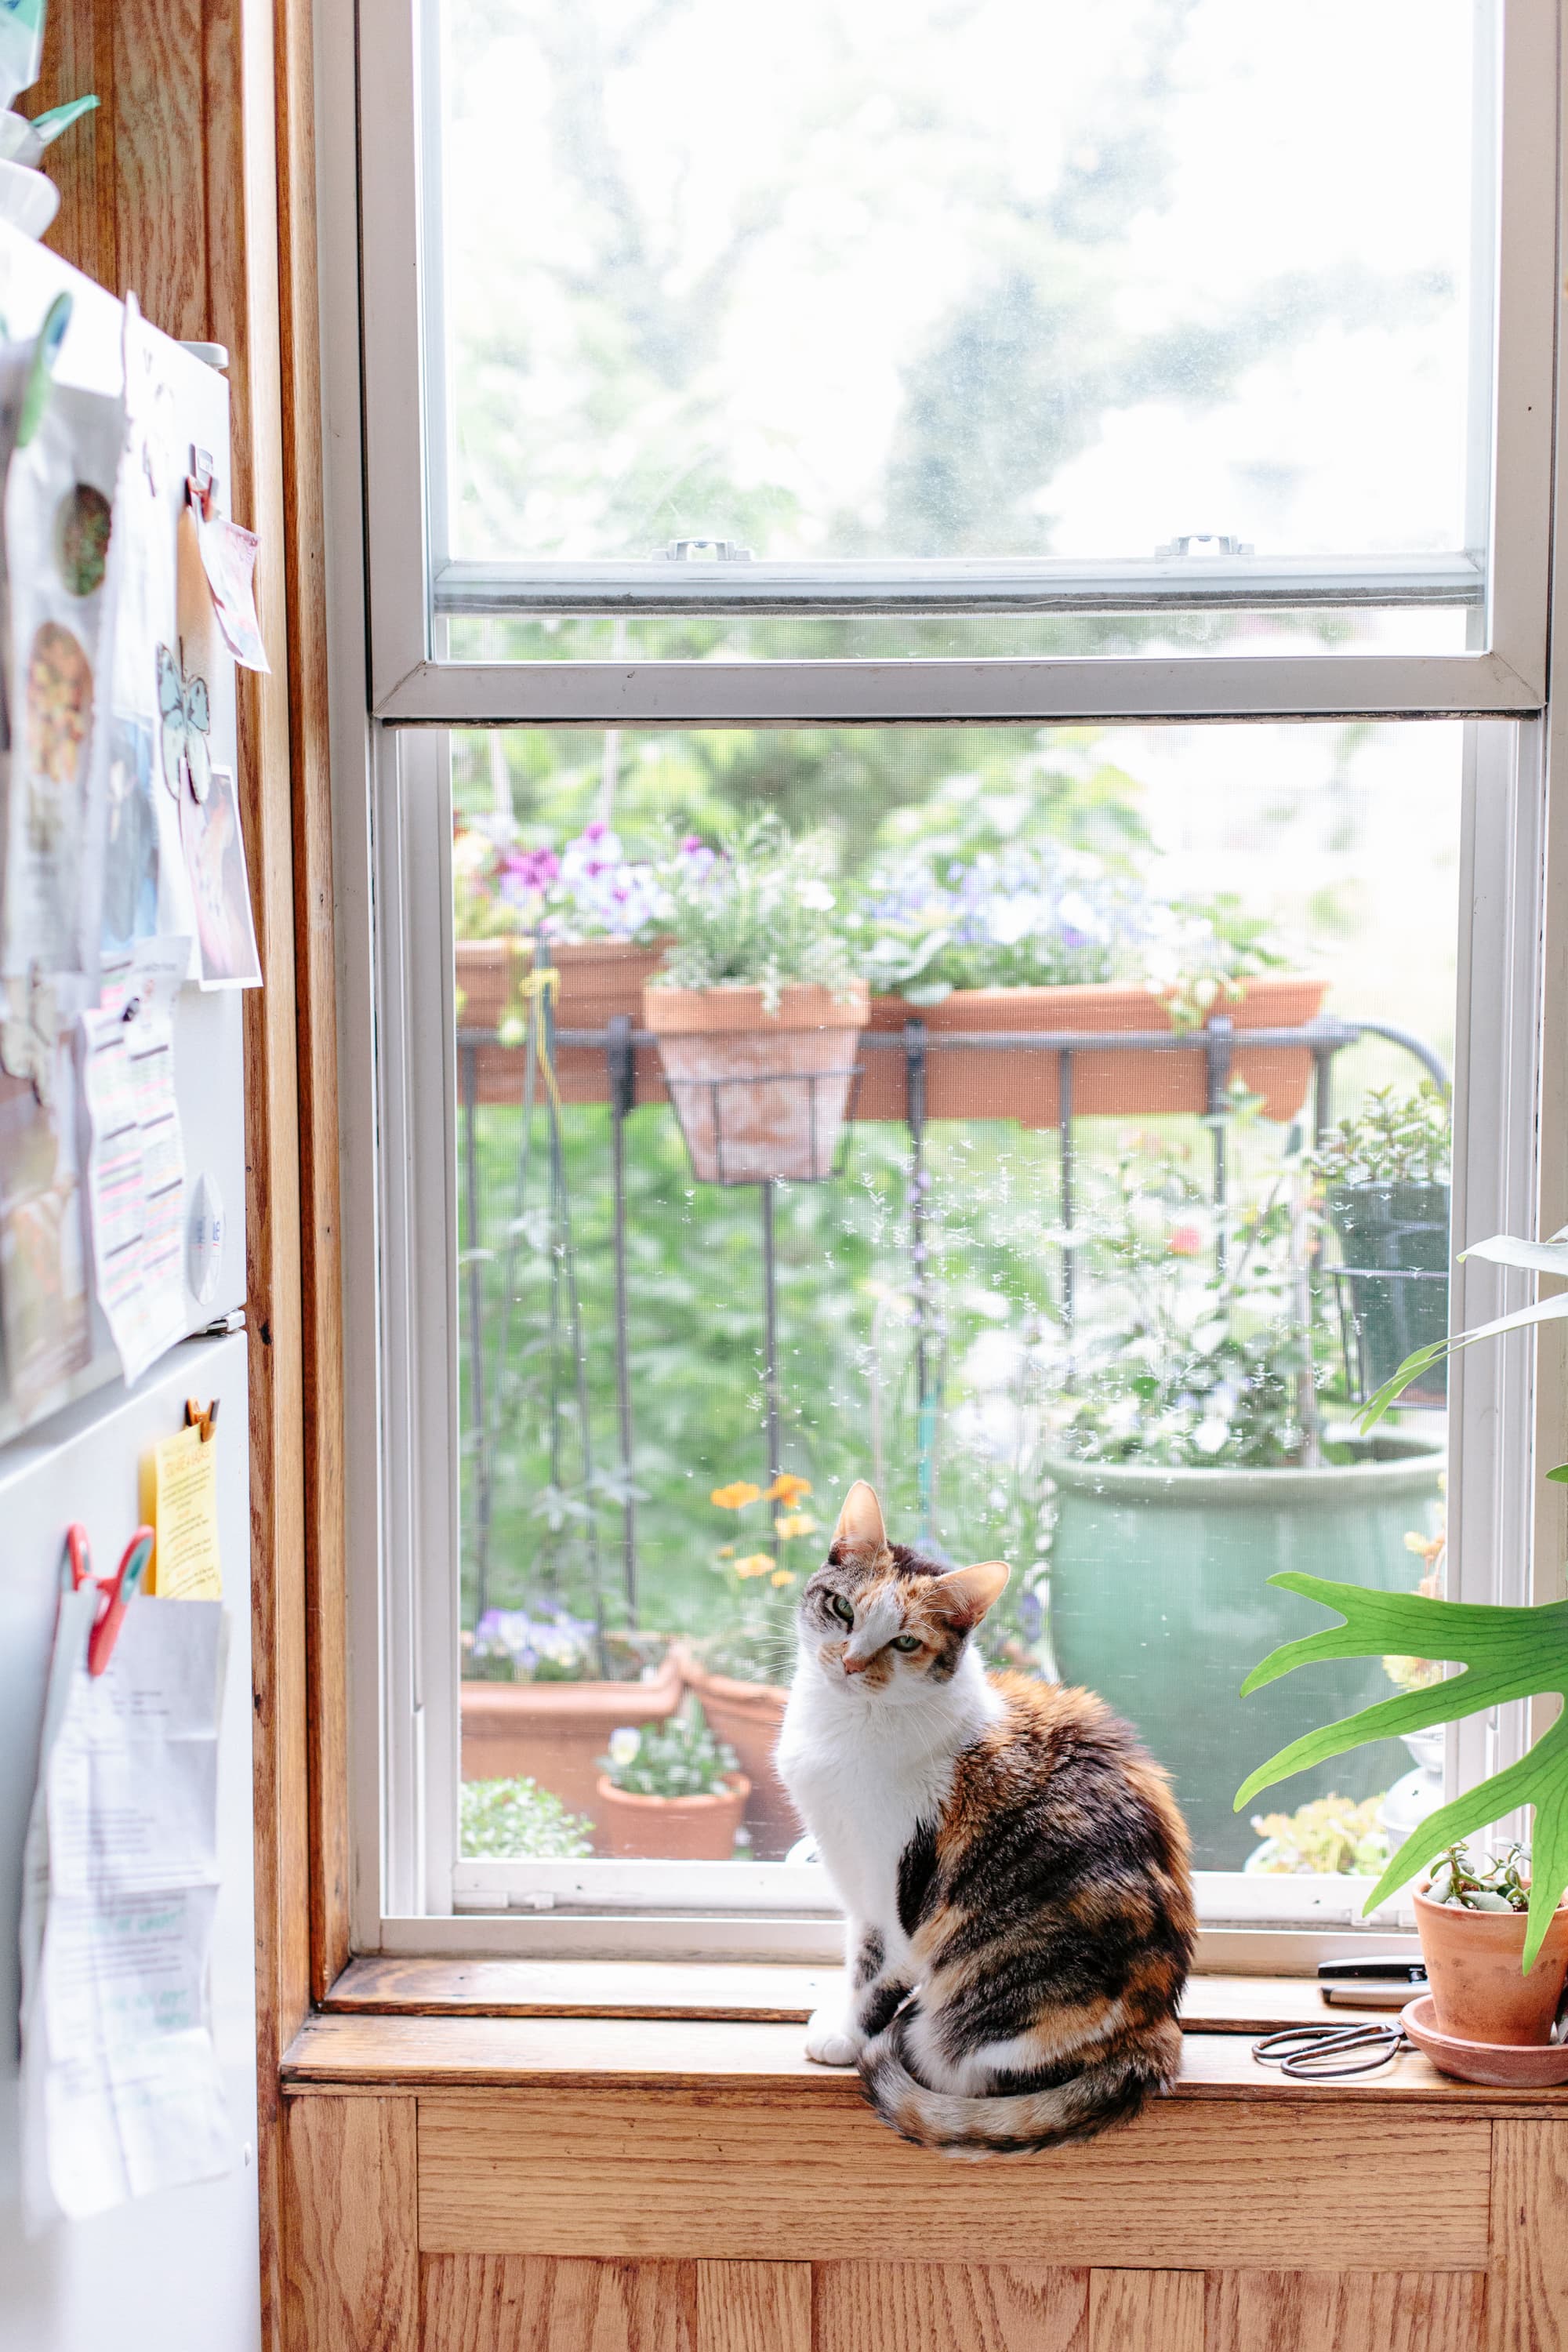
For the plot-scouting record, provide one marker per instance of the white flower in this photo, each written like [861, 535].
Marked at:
[1210, 1435]
[815, 894]
[623, 1745]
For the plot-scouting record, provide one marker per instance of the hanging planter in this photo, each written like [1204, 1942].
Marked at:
[599, 979]
[758, 1094]
[1025, 1086]
[1394, 1284]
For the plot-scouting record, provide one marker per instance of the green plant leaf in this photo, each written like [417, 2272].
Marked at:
[1507, 1654]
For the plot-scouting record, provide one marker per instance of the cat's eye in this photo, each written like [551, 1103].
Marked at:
[841, 1608]
[905, 1642]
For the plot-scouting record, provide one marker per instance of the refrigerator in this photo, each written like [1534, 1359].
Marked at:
[177, 2269]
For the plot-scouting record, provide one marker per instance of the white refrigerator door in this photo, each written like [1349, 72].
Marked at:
[177, 2272]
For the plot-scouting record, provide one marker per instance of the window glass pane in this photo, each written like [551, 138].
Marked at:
[933, 279]
[1082, 1300]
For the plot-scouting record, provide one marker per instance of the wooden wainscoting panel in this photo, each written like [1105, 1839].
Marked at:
[1347, 2311]
[351, 2274]
[1146, 2311]
[498, 2302]
[686, 2174]
[1527, 2303]
[754, 2308]
[950, 2307]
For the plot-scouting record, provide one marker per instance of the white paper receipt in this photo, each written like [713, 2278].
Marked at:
[136, 1160]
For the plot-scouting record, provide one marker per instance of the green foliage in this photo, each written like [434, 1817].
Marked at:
[679, 1757]
[1392, 1140]
[759, 912]
[518, 1821]
[1334, 1836]
[1507, 1654]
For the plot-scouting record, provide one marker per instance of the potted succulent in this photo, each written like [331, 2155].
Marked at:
[1385, 1180]
[741, 1672]
[1043, 938]
[671, 1791]
[1471, 1916]
[757, 1010]
[542, 1690]
[1188, 1463]
[590, 913]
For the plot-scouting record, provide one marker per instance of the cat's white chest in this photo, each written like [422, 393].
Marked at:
[863, 1791]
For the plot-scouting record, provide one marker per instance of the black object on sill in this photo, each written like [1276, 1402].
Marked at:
[1370, 1984]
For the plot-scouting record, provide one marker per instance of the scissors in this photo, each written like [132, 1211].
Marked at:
[117, 1590]
[1311, 2054]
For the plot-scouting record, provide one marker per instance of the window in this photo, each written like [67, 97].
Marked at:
[803, 450]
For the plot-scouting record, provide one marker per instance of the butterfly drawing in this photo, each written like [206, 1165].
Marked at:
[186, 715]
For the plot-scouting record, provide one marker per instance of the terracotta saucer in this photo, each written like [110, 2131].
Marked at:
[1533, 2066]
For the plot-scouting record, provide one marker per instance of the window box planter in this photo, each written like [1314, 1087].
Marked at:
[670, 1829]
[599, 978]
[1133, 1084]
[1394, 1284]
[758, 1094]
[1160, 1600]
[749, 1717]
[557, 1732]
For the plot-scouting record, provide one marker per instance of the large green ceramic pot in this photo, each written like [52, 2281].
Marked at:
[1161, 1601]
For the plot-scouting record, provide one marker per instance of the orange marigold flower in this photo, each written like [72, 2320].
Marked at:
[782, 1576]
[735, 1497]
[756, 1563]
[794, 1523]
[788, 1489]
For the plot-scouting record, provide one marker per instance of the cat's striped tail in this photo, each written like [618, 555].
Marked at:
[1111, 2089]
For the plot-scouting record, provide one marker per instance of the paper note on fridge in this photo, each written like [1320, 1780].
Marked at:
[179, 1501]
[136, 1159]
[121, 2092]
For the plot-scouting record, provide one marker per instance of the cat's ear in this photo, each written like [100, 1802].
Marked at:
[860, 1520]
[965, 1594]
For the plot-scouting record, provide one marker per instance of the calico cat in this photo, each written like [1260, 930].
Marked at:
[1012, 1865]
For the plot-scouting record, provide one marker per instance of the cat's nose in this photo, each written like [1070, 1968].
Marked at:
[853, 1665]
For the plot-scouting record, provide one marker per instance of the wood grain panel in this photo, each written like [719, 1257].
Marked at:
[492, 2303]
[754, 2308]
[1146, 2311]
[671, 2174]
[1527, 2304]
[879, 2306]
[1350, 2311]
[352, 2280]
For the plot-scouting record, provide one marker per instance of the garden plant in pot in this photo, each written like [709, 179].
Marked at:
[1507, 1654]
[757, 1010]
[671, 1791]
[741, 1670]
[1385, 1180]
[1471, 1914]
[1188, 1462]
[542, 1690]
[1044, 938]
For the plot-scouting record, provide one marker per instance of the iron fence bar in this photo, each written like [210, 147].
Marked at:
[1063, 1115]
[468, 1061]
[1218, 1037]
[771, 1349]
[913, 1043]
[1327, 1033]
[621, 1063]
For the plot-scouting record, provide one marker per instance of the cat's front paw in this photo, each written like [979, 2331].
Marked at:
[831, 2039]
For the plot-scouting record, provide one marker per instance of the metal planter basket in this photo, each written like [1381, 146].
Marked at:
[1393, 1291]
[759, 1095]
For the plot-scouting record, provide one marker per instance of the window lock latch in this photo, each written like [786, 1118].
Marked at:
[1201, 543]
[707, 551]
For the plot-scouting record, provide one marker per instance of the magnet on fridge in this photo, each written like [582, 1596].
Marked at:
[204, 1242]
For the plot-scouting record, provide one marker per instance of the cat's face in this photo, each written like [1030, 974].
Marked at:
[880, 1621]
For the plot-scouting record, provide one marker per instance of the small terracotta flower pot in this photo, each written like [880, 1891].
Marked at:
[749, 1717]
[555, 1733]
[758, 1094]
[670, 1829]
[1475, 1967]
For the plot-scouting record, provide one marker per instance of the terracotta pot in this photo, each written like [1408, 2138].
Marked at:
[1474, 1967]
[749, 1717]
[1026, 1086]
[670, 1828]
[599, 978]
[556, 1732]
[758, 1094]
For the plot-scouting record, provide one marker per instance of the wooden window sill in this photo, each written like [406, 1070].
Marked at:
[485, 2032]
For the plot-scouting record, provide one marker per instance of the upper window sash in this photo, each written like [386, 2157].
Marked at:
[415, 590]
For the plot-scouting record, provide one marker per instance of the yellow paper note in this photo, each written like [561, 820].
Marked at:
[179, 1502]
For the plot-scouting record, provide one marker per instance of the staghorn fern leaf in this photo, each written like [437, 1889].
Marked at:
[1507, 1654]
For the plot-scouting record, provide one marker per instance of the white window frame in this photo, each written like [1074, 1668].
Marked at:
[394, 699]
